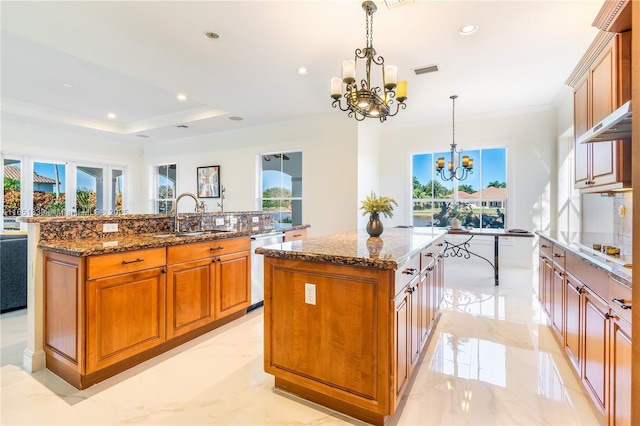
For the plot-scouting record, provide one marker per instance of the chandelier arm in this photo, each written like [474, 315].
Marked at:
[338, 104]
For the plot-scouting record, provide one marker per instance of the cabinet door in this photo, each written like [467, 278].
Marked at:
[620, 407]
[572, 320]
[233, 283]
[557, 305]
[190, 296]
[582, 153]
[402, 342]
[596, 335]
[125, 316]
[547, 277]
[424, 294]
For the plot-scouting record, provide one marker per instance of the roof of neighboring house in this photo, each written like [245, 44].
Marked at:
[462, 194]
[12, 172]
[491, 193]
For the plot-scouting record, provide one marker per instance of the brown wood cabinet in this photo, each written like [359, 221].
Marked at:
[296, 234]
[355, 346]
[107, 313]
[594, 329]
[210, 282]
[600, 86]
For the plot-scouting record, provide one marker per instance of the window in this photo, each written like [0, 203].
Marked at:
[282, 186]
[89, 190]
[165, 187]
[12, 199]
[49, 189]
[484, 190]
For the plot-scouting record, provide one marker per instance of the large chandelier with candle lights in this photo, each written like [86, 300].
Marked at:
[367, 100]
[455, 170]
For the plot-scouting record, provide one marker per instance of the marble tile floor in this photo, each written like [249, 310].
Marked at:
[492, 360]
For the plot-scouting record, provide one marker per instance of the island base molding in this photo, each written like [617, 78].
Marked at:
[69, 371]
[330, 402]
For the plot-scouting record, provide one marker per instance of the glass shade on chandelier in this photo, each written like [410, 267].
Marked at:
[366, 100]
[455, 169]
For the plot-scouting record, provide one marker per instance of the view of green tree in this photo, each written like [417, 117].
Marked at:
[85, 201]
[496, 184]
[11, 184]
[272, 197]
[466, 188]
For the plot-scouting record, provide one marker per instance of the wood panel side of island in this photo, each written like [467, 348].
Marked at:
[337, 349]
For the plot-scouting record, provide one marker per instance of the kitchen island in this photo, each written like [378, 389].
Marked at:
[109, 292]
[347, 317]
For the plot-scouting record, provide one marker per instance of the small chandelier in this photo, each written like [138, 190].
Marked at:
[367, 100]
[453, 170]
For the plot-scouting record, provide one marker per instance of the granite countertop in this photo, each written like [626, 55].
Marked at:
[576, 244]
[354, 248]
[95, 246]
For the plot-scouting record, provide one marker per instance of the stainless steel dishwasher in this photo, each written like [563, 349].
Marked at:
[257, 265]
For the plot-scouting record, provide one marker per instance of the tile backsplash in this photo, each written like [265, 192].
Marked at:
[623, 221]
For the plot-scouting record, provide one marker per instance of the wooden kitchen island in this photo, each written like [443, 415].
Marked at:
[346, 317]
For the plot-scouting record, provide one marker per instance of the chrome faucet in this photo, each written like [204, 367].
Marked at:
[176, 217]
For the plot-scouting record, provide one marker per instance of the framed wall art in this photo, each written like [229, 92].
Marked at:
[209, 182]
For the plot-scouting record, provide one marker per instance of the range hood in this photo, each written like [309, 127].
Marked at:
[616, 126]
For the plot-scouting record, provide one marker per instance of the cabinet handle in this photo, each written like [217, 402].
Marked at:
[409, 271]
[579, 289]
[557, 255]
[608, 316]
[126, 262]
[297, 235]
[440, 245]
[545, 246]
[216, 248]
[164, 271]
[620, 302]
[214, 260]
[409, 290]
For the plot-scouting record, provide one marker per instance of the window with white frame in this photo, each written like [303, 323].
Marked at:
[165, 187]
[281, 177]
[483, 192]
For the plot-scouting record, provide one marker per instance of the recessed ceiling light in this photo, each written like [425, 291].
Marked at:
[468, 29]
[303, 71]
[111, 115]
[211, 35]
[235, 118]
[67, 85]
[181, 97]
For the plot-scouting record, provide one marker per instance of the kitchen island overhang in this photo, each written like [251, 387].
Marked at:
[346, 317]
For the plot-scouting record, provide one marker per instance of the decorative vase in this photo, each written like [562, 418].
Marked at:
[374, 226]
[455, 223]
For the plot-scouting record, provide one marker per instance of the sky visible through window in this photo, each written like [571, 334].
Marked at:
[492, 163]
[46, 169]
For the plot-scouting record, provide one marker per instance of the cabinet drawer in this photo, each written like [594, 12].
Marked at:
[429, 255]
[622, 294]
[546, 247]
[406, 272]
[298, 234]
[188, 252]
[597, 279]
[121, 263]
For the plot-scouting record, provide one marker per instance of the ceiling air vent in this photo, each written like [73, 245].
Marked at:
[425, 70]
[182, 126]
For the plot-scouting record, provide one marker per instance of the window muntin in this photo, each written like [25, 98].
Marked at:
[484, 190]
[166, 180]
[281, 189]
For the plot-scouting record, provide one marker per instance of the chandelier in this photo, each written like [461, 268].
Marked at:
[367, 100]
[454, 170]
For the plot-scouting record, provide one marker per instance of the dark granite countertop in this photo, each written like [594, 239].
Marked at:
[576, 244]
[121, 243]
[394, 247]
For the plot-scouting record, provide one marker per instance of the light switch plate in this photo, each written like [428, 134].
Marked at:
[255, 219]
[234, 220]
[109, 227]
[219, 221]
[310, 294]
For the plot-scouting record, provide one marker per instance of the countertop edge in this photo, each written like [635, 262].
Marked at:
[614, 271]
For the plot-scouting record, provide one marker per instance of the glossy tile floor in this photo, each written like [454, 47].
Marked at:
[492, 360]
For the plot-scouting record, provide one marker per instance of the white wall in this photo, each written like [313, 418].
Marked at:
[330, 148]
[369, 133]
[53, 144]
[530, 138]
